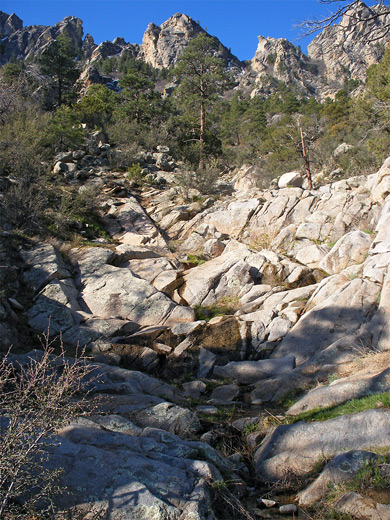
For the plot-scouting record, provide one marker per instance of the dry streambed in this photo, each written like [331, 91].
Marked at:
[298, 307]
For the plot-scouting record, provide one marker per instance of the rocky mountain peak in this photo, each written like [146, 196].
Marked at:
[339, 53]
[115, 48]
[26, 42]
[281, 60]
[89, 46]
[162, 45]
[344, 51]
[70, 26]
[9, 23]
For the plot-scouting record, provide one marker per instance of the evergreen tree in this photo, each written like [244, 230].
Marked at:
[97, 106]
[59, 63]
[64, 131]
[11, 72]
[231, 119]
[139, 99]
[337, 113]
[378, 79]
[257, 119]
[202, 77]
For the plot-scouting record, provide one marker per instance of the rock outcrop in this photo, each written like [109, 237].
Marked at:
[162, 45]
[107, 49]
[243, 299]
[279, 60]
[9, 23]
[341, 52]
[345, 51]
[25, 43]
[276, 324]
[294, 449]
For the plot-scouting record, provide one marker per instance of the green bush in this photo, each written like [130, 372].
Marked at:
[135, 173]
[64, 131]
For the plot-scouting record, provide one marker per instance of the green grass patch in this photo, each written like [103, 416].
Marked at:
[333, 377]
[223, 414]
[212, 384]
[369, 231]
[227, 412]
[224, 307]
[207, 312]
[371, 477]
[379, 400]
[250, 428]
[93, 226]
[195, 259]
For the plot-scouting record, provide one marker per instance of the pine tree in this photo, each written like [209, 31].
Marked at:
[139, 99]
[202, 77]
[97, 106]
[59, 63]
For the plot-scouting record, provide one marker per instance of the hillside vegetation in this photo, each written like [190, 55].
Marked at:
[265, 132]
[214, 235]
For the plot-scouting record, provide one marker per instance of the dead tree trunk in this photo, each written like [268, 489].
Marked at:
[305, 155]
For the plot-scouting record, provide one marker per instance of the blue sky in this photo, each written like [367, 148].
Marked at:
[237, 23]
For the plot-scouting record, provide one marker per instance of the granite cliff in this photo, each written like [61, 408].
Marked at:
[339, 53]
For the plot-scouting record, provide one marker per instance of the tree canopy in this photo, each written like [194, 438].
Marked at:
[59, 63]
[202, 75]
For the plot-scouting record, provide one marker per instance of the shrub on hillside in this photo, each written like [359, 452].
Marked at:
[203, 180]
[37, 397]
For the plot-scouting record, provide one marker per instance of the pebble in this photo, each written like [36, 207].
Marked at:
[266, 503]
[288, 509]
[211, 410]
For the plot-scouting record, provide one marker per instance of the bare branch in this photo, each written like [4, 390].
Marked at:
[38, 395]
[352, 12]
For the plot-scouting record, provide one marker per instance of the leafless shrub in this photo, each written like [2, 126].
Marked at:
[22, 207]
[227, 503]
[204, 180]
[37, 397]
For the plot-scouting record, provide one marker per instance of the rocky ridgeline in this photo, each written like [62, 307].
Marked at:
[24, 43]
[280, 60]
[344, 47]
[162, 45]
[300, 284]
[339, 53]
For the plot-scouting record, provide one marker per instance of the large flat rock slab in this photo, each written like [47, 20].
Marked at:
[201, 280]
[338, 308]
[130, 224]
[55, 308]
[233, 220]
[114, 292]
[247, 372]
[45, 263]
[343, 468]
[295, 449]
[351, 249]
[105, 378]
[343, 390]
[362, 507]
[170, 417]
[120, 475]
